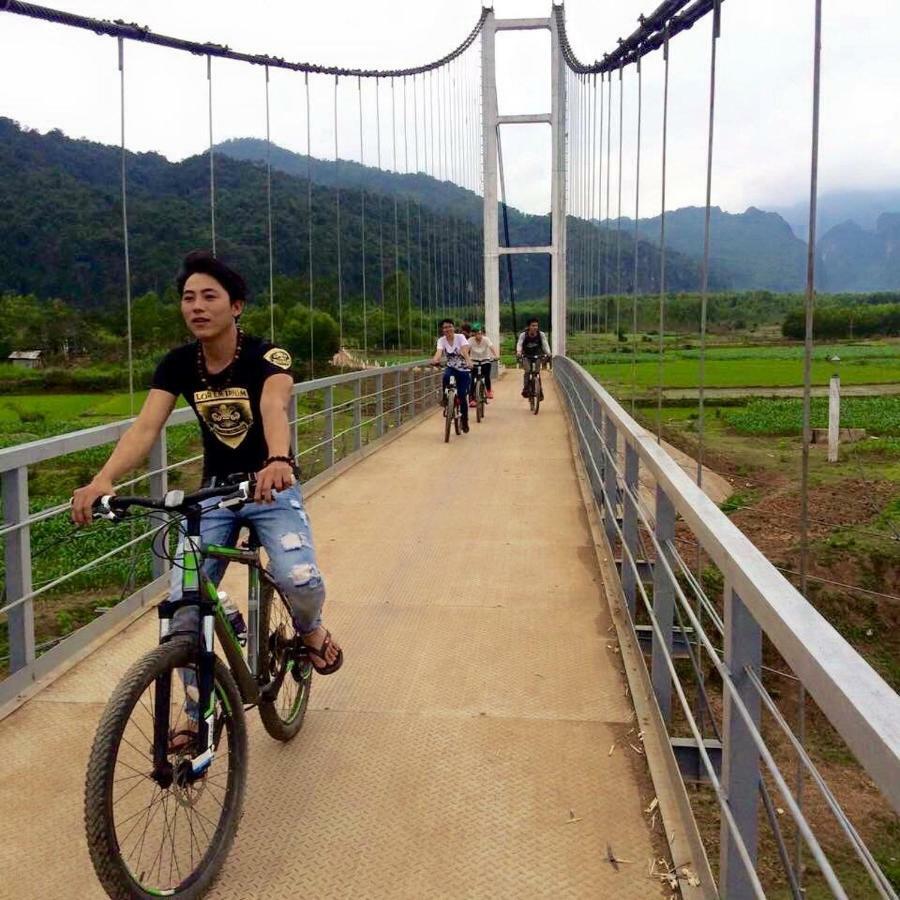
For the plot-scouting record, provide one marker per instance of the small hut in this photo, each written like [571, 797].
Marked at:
[28, 359]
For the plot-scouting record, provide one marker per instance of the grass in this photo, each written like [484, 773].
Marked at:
[877, 415]
[764, 365]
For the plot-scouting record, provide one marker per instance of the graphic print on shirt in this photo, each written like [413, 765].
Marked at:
[226, 413]
[455, 359]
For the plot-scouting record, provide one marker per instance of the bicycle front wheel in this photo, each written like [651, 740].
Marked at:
[157, 829]
[285, 693]
[449, 412]
[479, 400]
[537, 393]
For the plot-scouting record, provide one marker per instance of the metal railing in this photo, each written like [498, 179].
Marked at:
[699, 644]
[333, 419]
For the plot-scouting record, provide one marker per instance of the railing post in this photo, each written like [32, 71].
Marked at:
[630, 527]
[295, 407]
[398, 382]
[611, 487]
[328, 435]
[20, 619]
[379, 403]
[413, 385]
[740, 757]
[159, 484]
[663, 601]
[357, 414]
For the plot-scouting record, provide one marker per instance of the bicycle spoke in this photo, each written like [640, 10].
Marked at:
[151, 813]
[137, 784]
[139, 753]
[141, 730]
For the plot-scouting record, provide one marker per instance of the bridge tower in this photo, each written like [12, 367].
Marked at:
[491, 121]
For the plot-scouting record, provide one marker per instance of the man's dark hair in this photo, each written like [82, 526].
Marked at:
[533, 322]
[204, 263]
[465, 327]
[446, 322]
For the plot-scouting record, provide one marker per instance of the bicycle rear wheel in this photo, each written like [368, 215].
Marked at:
[288, 677]
[134, 808]
[449, 412]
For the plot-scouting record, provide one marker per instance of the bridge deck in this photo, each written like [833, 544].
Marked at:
[463, 751]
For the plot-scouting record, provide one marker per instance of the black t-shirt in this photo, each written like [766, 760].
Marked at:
[533, 345]
[228, 407]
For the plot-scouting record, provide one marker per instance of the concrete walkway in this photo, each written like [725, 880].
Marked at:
[462, 751]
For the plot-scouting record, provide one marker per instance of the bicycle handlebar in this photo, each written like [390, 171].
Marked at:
[114, 507]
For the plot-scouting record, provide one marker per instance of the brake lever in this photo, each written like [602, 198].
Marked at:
[238, 498]
[105, 511]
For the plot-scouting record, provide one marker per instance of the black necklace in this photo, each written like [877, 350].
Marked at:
[228, 371]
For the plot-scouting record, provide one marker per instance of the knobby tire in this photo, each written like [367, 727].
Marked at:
[99, 814]
[282, 715]
[449, 414]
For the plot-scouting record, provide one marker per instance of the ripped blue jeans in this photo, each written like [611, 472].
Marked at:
[284, 532]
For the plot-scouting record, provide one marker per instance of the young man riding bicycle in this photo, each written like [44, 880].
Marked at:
[531, 347]
[483, 354]
[455, 348]
[240, 389]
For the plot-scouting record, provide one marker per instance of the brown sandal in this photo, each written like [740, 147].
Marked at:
[321, 654]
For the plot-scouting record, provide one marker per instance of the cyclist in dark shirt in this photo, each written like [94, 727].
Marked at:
[530, 347]
[240, 388]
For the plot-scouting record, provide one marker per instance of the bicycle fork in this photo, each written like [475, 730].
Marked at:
[208, 607]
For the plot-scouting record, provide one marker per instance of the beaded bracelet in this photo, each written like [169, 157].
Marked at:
[284, 459]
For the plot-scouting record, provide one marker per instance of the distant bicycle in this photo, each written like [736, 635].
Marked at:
[452, 411]
[480, 391]
[533, 389]
[168, 768]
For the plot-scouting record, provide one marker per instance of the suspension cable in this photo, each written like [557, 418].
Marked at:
[269, 229]
[409, 331]
[662, 243]
[704, 271]
[309, 232]
[362, 224]
[600, 233]
[134, 32]
[337, 213]
[212, 170]
[648, 37]
[125, 247]
[619, 217]
[380, 219]
[396, 226]
[637, 208]
[810, 302]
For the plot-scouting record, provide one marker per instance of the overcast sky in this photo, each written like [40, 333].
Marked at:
[54, 76]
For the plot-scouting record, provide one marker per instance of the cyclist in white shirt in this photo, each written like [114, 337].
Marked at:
[456, 349]
[482, 353]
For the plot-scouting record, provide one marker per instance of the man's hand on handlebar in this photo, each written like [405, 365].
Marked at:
[278, 476]
[84, 498]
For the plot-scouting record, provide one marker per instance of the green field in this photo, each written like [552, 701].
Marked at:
[745, 367]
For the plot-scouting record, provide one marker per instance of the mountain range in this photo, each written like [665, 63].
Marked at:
[753, 250]
[61, 228]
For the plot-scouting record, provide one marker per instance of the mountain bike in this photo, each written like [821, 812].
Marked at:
[167, 771]
[533, 387]
[452, 411]
[479, 390]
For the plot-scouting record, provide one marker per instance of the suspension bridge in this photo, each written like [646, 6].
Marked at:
[560, 701]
